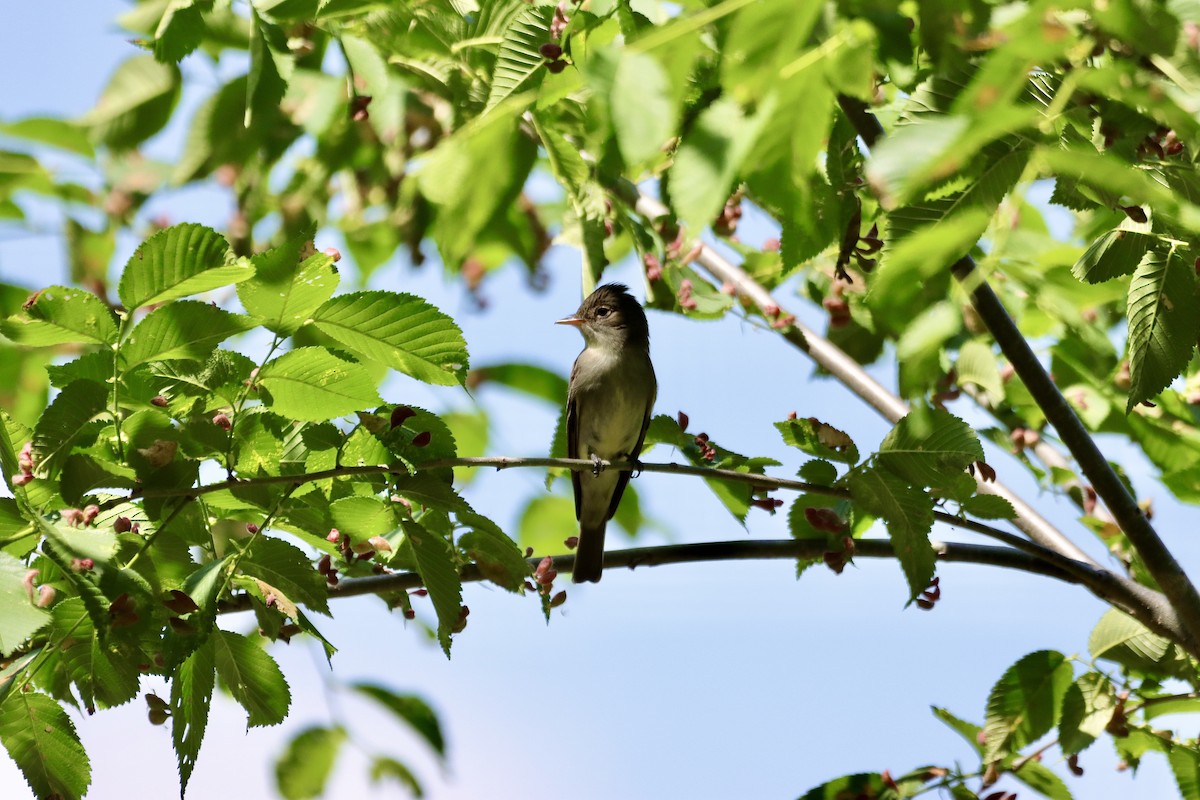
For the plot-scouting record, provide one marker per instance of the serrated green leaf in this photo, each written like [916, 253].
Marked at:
[818, 471]
[42, 742]
[498, 557]
[61, 315]
[63, 422]
[185, 329]
[12, 433]
[1164, 322]
[19, 617]
[252, 677]
[176, 262]
[399, 330]
[1185, 766]
[435, 564]
[409, 709]
[519, 65]
[1117, 252]
[303, 770]
[989, 506]
[288, 569]
[908, 514]
[1025, 703]
[136, 103]
[1087, 708]
[863, 784]
[929, 447]
[360, 518]
[270, 68]
[59, 133]
[286, 290]
[311, 383]
[818, 439]
[1121, 638]
[103, 675]
[191, 697]
[181, 29]
[1041, 779]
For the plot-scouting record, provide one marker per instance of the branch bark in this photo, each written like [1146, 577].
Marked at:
[1159, 561]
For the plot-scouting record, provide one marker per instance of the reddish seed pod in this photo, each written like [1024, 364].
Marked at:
[422, 439]
[158, 401]
[556, 67]
[683, 420]
[420, 592]
[333, 253]
[400, 414]
[324, 565]
[251, 527]
[571, 542]
[410, 614]
[334, 536]
[558, 599]
[551, 51]
[122, 525]
[223, 422]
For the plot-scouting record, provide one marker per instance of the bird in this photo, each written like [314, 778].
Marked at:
[609, 400]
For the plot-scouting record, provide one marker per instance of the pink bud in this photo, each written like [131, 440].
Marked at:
[251, 527]
[333, 253]
[45, 596]
[223, 422]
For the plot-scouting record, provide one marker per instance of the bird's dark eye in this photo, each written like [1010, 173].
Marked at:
[603, 311]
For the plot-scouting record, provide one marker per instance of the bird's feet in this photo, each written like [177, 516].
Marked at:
[597, 465]
[637, 466]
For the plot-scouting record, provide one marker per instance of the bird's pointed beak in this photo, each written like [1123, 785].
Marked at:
[575, 321]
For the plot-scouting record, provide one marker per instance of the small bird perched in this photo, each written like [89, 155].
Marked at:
[609, 400]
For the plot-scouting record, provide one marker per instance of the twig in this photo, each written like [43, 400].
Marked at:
[750, 550]
[1159, 561]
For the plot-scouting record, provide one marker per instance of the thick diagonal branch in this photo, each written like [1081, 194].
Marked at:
[1159, 561]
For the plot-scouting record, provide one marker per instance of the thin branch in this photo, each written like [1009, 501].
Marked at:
[852, 375]
[1159, 561]
[749, 550]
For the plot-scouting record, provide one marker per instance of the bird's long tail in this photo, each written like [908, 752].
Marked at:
[589, 555]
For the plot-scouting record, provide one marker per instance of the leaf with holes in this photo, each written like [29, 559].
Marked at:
[285, 290]
[61, 315]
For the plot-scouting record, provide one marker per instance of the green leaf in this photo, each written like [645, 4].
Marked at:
[287, 569]
[1087, 708]
[529, 379]
[181, 29]
[41, 740]
[519, 65]
[136, 103]
[64, 421]
[409, 709]
[1025, 703]
[103, 673]
[908, 515]
[360, 518]
[270, 69]
[19, 617]
[818, 471]
[175, 262]
[640, 104]
[303, 770]
[1121, 638]
[386, 767]
[989, 506]
[55, 132]
[399, 330]
[61, 315]
[545, 522]
[929, 447]
[435, 564]
[311, 383]
[1164, 322]
[969, 731]
[977, 364]
[863, 784]
[816, 438]
[186, 329]
[191, 697]
[286, 290]
[1117, 252]
[707, 162]
[498, 557]
[1185, 765]
[1042, 780]
[252, 677]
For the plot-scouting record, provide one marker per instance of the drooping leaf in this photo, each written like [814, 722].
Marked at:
[271, 67]
[181, 29]
[399, 330]
[496, 555]
[191, 697]
[42, 742]
[435, 564]
[178, 261]
[1121, 638]
[61, 315]
[311, 383]
[1185, 765]
[386, 767]
[409, 709]
[1026, 702]
[252, 677]
[286, 567]
[1117, 252]
[19, 617]
[1087, 708]
[303, 770]
[519, 65]
[103, 674]
[908, 514]
[1164, 322]
[185, 329]
[929, 448]
[136, 103]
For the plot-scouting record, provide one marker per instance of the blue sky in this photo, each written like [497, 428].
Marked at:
[701, 681]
